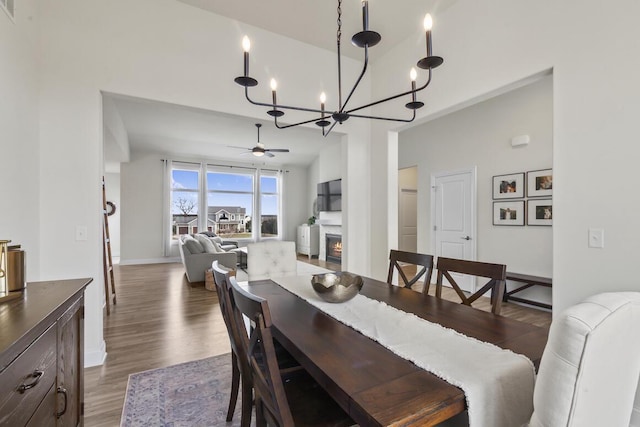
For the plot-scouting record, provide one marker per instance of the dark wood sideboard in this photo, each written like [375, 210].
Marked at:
[41, 355]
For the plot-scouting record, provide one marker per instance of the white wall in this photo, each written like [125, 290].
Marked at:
[142, 208]
[19, 159]
[295, 211]
[490, 45]
[480, 136]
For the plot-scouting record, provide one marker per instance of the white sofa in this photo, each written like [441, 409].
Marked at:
[197, 255]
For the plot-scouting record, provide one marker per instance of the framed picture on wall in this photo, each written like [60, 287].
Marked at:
[508, 186]
[508, 213]
[540, 183]
[539, 212]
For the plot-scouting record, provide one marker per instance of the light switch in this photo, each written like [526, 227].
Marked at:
[81, 232]
[596, 238]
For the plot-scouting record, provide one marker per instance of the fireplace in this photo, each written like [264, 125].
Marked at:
[333, 247]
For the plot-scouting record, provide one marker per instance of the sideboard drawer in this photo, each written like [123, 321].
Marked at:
[26, 381]
[44, 416]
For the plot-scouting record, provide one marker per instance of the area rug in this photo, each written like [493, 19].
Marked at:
[191, 394]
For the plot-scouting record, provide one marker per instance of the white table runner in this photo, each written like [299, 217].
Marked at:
[498, 384]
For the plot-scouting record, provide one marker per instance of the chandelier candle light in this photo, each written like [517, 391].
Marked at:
[363, 39]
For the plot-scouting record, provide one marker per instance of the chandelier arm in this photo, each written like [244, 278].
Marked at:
[364, 70]
[394, 96]
[390, 119]
[275, 106]
[275, 121]
[330, 129]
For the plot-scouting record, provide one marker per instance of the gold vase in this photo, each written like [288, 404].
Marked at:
[5, 295]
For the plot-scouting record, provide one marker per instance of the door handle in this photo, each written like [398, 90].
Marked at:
[466, 238]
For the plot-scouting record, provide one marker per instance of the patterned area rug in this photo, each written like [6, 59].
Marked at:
[191, 394]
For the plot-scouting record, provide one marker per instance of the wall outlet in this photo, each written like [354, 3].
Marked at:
[596, 238]
[81, 232]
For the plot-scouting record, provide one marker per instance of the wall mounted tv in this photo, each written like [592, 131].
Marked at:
[330, 196]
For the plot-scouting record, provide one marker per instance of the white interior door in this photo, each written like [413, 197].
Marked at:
[454, 219]
[408, 220]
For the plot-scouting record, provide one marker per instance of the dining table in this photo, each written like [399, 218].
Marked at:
[375, 386]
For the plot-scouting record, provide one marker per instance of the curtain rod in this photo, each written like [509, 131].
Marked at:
[228, 166]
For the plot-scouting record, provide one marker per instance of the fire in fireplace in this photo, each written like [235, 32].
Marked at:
[333, 247]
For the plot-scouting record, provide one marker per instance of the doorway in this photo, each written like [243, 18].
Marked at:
[408, 209]
[453, 218]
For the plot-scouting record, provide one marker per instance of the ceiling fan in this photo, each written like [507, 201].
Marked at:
[259, 149]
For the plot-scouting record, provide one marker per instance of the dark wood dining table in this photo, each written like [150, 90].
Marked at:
[374, 385]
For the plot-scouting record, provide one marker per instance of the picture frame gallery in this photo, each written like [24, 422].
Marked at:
[509, 198]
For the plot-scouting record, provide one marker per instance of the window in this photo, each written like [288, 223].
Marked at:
[234, 203]
[230, 200]
[269, 202]
[185, 199]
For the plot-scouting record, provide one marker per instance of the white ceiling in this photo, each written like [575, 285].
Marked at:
[314, 22]
[201, 134]
[190, 132]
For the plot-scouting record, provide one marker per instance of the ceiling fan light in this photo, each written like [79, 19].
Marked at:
[258, 153]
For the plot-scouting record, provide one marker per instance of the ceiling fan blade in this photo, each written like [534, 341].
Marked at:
[240, 148]
[268, 154]
[277, 150]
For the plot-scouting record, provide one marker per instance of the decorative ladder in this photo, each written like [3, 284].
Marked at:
[107, 260]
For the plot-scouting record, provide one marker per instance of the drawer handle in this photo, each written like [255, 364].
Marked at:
[35, 376]
[64, 393]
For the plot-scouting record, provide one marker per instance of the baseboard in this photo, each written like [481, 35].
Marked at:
[95, 357]
[165, 260]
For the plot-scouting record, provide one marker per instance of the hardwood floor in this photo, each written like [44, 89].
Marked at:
[160, 320]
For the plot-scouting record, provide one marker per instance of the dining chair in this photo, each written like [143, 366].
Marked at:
[496, 274]
[238, 336]
[299, 400]
[590, 367]
[421, 261]
[271, 258]
[239, 359]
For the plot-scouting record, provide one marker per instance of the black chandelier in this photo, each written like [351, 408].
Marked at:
[363, 39]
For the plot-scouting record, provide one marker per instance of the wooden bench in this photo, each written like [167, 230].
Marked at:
[528, 281]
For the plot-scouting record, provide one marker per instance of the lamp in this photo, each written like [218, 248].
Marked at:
[363, 39]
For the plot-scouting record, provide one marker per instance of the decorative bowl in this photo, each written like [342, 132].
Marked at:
[336, 287]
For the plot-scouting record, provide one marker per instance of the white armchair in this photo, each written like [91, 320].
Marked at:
[271, 258]
[590, 367]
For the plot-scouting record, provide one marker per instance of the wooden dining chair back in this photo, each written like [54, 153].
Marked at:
[302, 402]
[270, 397]
[240, 369]
[496, 273]
[423, 264]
